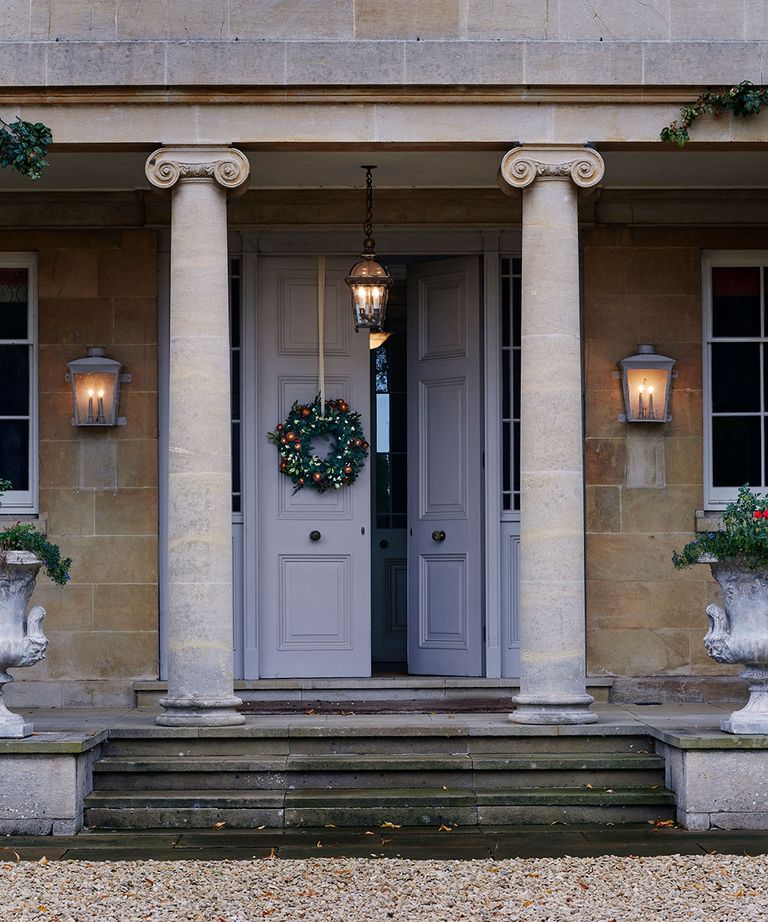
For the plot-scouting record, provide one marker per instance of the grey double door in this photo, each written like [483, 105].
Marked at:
[314, 596]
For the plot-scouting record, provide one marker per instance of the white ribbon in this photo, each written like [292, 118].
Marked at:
[321, 331]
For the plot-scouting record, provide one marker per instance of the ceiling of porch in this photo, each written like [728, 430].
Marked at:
[671, 169]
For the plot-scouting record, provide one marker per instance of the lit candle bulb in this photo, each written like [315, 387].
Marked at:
[90, 406]
[640, 408]
[651, 414]
[100, 416]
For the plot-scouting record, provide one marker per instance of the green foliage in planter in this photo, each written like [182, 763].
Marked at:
[744, 538]
[25, 537]
[23, 147]
[743, 100]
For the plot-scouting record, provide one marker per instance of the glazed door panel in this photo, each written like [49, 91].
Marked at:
[313, 596]
[445, 469]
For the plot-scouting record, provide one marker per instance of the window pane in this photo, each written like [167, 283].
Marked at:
[399, 484]
[14, 452]
[506, 312]
[383, 486]
[397, 422]
[236, 458]
[506, 384]
[736, 451]
[517, 358]
[14, 380]
[735, 377]
[234, 312]
[235, 388]
[506, 465]
[517, 456]
[516, 310]
[735, 301]
[13, 303]
[398, 361]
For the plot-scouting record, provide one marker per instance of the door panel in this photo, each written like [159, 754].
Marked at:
[445, 469]
[314, 596]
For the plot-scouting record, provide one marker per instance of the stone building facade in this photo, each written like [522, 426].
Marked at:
[436, 94]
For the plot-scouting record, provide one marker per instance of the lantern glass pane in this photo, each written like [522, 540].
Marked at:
[647, 394]
[736, 451]
[14, 380]
[735, 392]
[95, 398]
[735, 301]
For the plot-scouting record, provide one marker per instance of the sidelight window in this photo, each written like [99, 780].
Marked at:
[510, 384]
[18, 381]
[735, 374]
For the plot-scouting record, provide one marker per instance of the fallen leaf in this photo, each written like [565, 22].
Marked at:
[443, 828]
[736, 893]
[527, 903]
[43, 860]
[386, 841]
[15, 854]
[218, 825]
[609, 790]
[389, 825]
[532, 874]
[588, 786]
[272, 853]
[319, 844]
[311, 711]
[330, 826]
[583, 885]
[369, 833]
[261, 827]
[42, 908]
[347, 713]
[667, 823]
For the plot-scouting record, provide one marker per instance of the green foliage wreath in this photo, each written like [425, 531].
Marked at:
[295, 440]
[23, 147]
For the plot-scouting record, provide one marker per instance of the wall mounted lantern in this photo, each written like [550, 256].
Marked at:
[96, 384]
[646, 379]
[368, 280]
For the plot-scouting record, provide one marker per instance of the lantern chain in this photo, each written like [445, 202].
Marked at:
[368, 223]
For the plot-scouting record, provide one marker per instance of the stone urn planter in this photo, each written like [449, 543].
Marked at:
[22, 642]
[738, 633]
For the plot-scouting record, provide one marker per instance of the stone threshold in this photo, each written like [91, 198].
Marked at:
[375, 682]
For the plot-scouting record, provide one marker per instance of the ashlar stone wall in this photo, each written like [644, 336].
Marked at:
[644, 483]
[98, 488]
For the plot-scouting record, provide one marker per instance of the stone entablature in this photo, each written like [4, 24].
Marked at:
[208, 20]
[134, 63]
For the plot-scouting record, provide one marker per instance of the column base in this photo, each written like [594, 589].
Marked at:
[200, 712]
[564, 709]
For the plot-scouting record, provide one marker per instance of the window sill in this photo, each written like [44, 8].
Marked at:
[40, 520]
[708, 520]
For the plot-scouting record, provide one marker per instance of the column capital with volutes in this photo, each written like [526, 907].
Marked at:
[225, 166]
[524, 165]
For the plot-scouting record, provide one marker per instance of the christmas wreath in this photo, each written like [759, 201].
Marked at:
[295, 444]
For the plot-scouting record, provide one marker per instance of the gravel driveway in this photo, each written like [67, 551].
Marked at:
[711, 888]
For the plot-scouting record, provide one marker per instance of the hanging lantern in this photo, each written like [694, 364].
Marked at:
[646, 379]
[368, 280]
[96, 389]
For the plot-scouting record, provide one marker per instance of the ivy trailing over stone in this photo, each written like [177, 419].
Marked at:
[743, 100]
[25, 537]
[24, 146]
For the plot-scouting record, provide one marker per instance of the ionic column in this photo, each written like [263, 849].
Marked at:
[200, 670]
[552, 608]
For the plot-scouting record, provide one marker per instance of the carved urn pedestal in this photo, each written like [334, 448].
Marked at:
[22, 642]
[738, 633]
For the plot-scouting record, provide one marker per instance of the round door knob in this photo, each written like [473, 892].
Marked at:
[383, 543]
[438, 536]
[315, 536]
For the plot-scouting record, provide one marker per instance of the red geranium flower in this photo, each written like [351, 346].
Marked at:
[758, 514]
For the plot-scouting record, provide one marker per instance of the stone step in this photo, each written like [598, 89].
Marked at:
[483, 770]
[371, 807]
[406, 741]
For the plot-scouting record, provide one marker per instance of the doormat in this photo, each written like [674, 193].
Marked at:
[393, 706]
